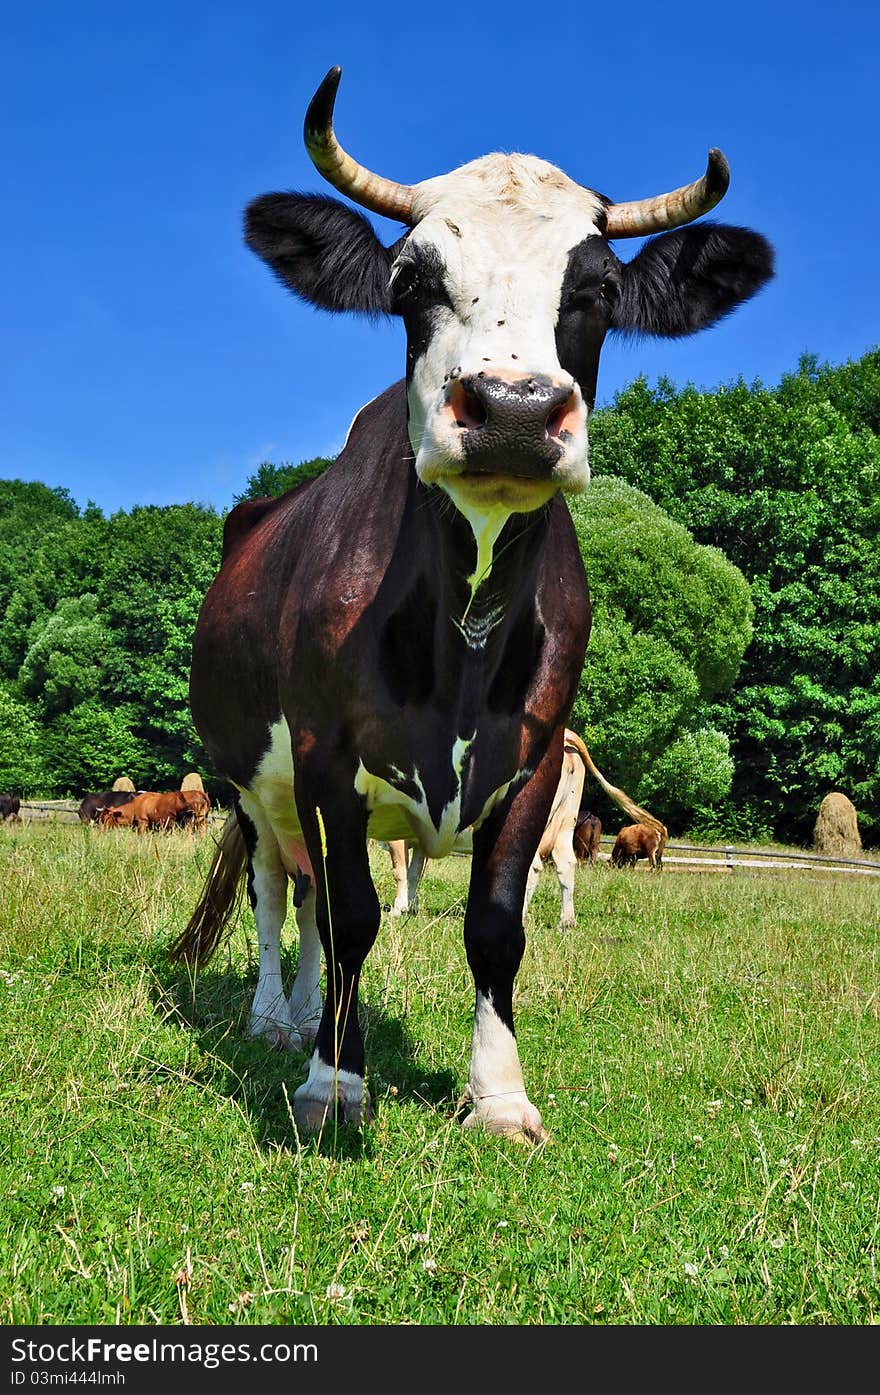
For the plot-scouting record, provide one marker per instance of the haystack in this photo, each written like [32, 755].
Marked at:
[123, 783]
[836, 833]
[192, 781]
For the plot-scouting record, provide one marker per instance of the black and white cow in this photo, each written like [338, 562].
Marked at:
[392, 649]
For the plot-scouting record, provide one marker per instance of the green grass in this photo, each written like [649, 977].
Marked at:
[704, 1050]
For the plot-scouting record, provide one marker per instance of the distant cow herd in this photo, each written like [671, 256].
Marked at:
[145, 809]
[190, 808]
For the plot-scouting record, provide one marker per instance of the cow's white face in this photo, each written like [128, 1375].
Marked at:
[494, 418]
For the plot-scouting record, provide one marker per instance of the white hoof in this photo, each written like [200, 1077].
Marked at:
[513, 1116]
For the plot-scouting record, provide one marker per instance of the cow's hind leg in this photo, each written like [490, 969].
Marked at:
[397, 849]
[532, 883]
[417, 864]
[304, 1004]
[267, 892]
[565, 863]
[348, 916]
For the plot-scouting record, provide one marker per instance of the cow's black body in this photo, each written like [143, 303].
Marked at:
[92, 804]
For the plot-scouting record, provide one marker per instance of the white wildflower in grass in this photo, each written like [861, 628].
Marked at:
[502, 1225]
[429, 1265]
[777, 1243]
[613, 1154]
[246, 1187]
[59, 1192]
[724, 1252]
[335, 1292]
[420, 1237]
[697, 1140]
[713, 1106]
[691, 1270]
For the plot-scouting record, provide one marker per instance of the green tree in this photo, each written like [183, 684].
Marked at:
[785, 482]
[270, 480]
[22, 770]
[88, 747]
[66, 659]
[671, 620]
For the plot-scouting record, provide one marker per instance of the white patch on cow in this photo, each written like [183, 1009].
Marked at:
[305, 1003]
[496, 1073]
[323, 1081]
[272, 785]
[390, 808]
[504, 226]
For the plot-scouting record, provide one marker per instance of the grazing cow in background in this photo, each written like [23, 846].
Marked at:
[93, 805]
[392, 649]
[586, 837]
[10, 807]
[637, 840]
[150, 809]
[196, 809]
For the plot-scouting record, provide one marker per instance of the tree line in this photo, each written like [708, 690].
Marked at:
[732, 544]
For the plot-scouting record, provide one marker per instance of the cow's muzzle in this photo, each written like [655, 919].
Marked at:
[514, 426]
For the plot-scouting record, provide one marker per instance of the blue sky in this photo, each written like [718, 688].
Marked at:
[149, 358]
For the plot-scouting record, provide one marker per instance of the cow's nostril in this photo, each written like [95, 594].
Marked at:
[562, 416]
[467, 409]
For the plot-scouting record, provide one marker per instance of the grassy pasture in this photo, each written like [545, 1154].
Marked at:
[704, 1050]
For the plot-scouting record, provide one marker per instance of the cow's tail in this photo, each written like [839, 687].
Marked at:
[629, 806]
[219, 899]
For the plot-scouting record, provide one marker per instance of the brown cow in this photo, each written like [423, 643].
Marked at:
[637, 840]
[194, 816]
[586, 836]
[147, 810]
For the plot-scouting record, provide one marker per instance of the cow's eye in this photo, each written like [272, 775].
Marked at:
[584, 297]
[404, 279]
[610, 289]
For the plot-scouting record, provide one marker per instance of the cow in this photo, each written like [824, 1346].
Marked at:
[92, 805]
[586, 837]
[196, 808]
[149, 809]
[393, 647]
[637, 840]
[10, 808]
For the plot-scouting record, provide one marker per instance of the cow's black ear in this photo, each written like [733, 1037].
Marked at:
[321, 249]
[688, 279]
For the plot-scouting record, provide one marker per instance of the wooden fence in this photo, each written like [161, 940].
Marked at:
[678, 857]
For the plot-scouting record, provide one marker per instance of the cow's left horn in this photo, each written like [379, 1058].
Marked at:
[644, 216]
[372, 191]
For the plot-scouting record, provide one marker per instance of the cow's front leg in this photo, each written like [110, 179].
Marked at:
[495, 941]
[348, 916]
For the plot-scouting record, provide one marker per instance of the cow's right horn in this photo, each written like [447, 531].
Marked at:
[370, 190]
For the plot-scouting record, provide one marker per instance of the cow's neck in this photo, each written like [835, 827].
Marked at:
[472, 598]
[487, 570]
